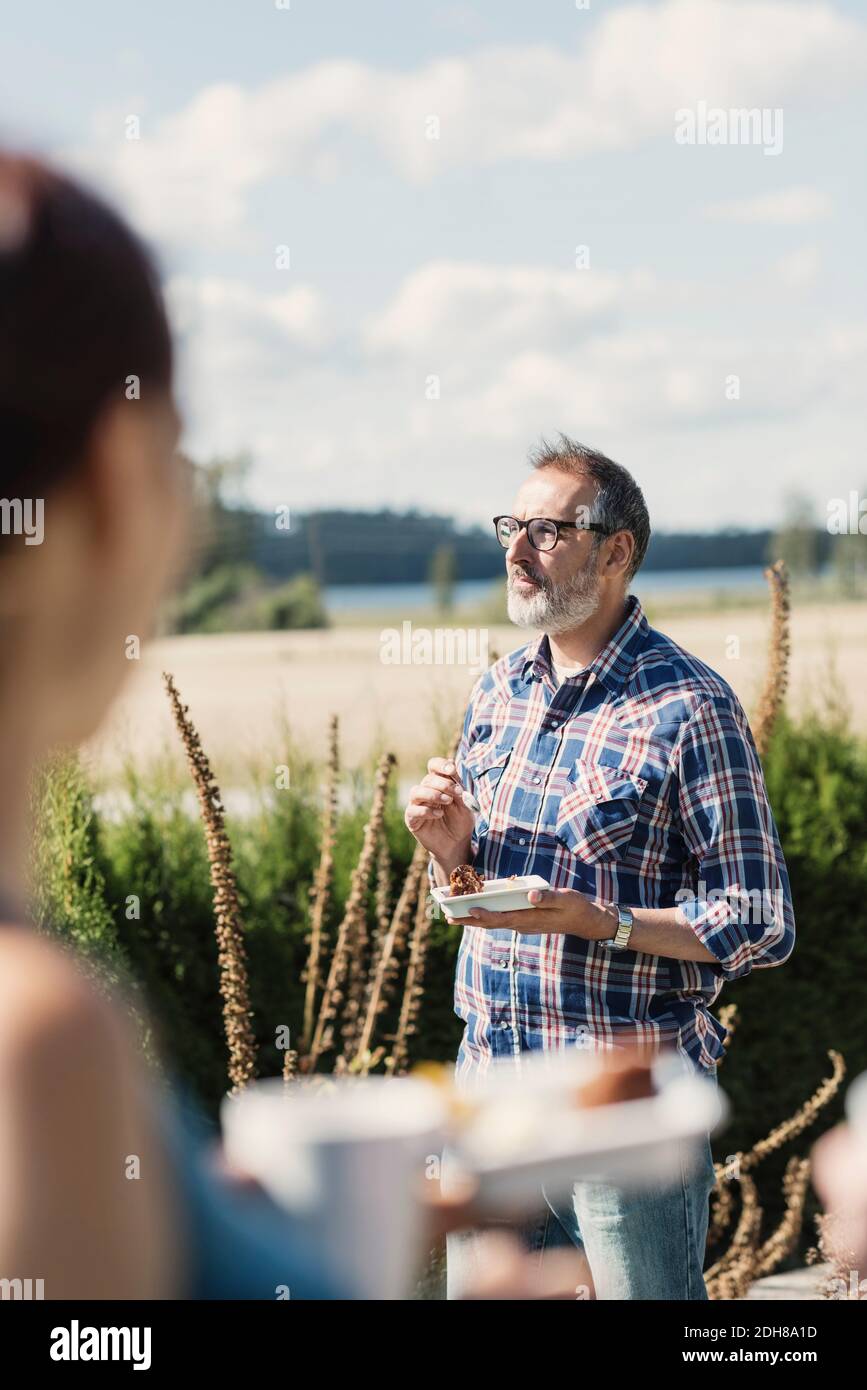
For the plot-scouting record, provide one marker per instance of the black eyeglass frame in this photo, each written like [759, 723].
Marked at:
[552, 521]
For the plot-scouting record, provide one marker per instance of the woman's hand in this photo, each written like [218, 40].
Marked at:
[503, 1268]
[437, 817]
[840, 1178]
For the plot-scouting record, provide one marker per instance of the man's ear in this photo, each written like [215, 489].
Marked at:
[622, 548]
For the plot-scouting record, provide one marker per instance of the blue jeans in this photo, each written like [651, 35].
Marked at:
[646, 1243]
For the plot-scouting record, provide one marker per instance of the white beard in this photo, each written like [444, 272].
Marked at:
[556, 607]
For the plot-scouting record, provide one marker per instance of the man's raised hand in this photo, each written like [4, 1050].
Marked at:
[437, 817]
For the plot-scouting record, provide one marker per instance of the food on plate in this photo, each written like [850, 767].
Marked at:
[464, 879]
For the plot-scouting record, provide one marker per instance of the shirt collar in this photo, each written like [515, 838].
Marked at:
[611, 665]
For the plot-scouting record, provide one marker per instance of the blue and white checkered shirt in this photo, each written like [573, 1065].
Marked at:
[636, 782]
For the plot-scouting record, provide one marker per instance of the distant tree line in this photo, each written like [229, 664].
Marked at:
[249, 569]
[387, 547]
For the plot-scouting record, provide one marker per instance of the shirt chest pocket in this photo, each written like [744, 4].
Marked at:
[485, 766]
[598, 811]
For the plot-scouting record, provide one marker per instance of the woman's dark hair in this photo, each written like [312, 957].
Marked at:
[80, 311]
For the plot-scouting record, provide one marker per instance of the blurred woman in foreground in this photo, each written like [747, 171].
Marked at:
[91, 526]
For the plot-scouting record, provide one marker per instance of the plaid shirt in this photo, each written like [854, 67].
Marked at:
[636, 782]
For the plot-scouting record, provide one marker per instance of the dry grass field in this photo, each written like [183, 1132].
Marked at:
[240, 686]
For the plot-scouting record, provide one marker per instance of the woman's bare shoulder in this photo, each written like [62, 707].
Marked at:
[43, 989]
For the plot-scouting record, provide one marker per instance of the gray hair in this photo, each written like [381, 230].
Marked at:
[619, 503]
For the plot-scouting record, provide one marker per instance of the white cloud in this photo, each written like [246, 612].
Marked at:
[521, 351]
[447, 310]
[239, 347]
[297, 313]
[799, 269]
[784, 207]
[192, 172]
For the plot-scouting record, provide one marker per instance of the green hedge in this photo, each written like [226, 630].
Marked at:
[791, 1016]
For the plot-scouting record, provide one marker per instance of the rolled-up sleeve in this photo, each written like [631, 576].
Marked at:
[740, 906]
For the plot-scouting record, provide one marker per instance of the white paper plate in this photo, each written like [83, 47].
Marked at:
[498, 895]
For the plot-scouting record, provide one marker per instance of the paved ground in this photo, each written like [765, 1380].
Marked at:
[800, 1284]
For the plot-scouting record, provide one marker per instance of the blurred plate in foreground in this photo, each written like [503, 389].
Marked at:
[551, 1122]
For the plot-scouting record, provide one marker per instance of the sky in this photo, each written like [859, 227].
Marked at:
[402, 242]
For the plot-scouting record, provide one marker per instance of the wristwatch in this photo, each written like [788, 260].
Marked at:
[620, 941]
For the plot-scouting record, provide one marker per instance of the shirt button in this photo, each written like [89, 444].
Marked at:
[537, 780]
[522, 842]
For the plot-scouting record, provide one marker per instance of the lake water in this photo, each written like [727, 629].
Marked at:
[346, 598]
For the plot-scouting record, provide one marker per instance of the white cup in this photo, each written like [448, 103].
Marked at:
[346, 1158]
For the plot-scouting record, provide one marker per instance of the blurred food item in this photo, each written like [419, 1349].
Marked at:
[622, 1077]
[438, 1073]
[464, 879]
[442, 1074]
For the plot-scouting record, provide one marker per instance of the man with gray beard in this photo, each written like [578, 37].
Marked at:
[610, 761]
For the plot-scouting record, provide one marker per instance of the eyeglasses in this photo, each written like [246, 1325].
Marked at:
[543, 532]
